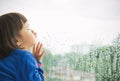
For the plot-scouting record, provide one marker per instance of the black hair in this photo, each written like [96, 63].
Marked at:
[10, 26]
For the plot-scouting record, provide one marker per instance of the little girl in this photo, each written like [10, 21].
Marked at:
[16, 38]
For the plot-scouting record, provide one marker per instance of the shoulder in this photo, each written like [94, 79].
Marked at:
[20, 52]
[23, 55]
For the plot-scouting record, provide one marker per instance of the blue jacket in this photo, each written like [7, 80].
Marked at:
[20, 65]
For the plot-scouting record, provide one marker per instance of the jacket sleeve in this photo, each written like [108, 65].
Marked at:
[31, 69]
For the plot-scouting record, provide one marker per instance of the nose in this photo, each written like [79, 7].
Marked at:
[34, 33]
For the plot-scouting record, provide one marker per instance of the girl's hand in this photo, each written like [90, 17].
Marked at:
[37, 51]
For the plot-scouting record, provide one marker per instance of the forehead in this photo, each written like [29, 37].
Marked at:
[26, 25]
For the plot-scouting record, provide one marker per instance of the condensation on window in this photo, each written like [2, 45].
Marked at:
[81, 37]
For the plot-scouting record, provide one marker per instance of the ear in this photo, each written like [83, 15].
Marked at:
[20, 44]
[19, 41]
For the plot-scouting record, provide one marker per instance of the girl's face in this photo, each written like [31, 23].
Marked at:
[28, 37]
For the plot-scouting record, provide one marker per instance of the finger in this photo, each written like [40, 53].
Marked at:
[41, 55]
[37, 47]
[39, 50]
[33, 49]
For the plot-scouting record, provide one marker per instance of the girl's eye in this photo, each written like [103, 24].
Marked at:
[28, 29]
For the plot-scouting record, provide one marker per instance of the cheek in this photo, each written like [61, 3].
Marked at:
[29, 39]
